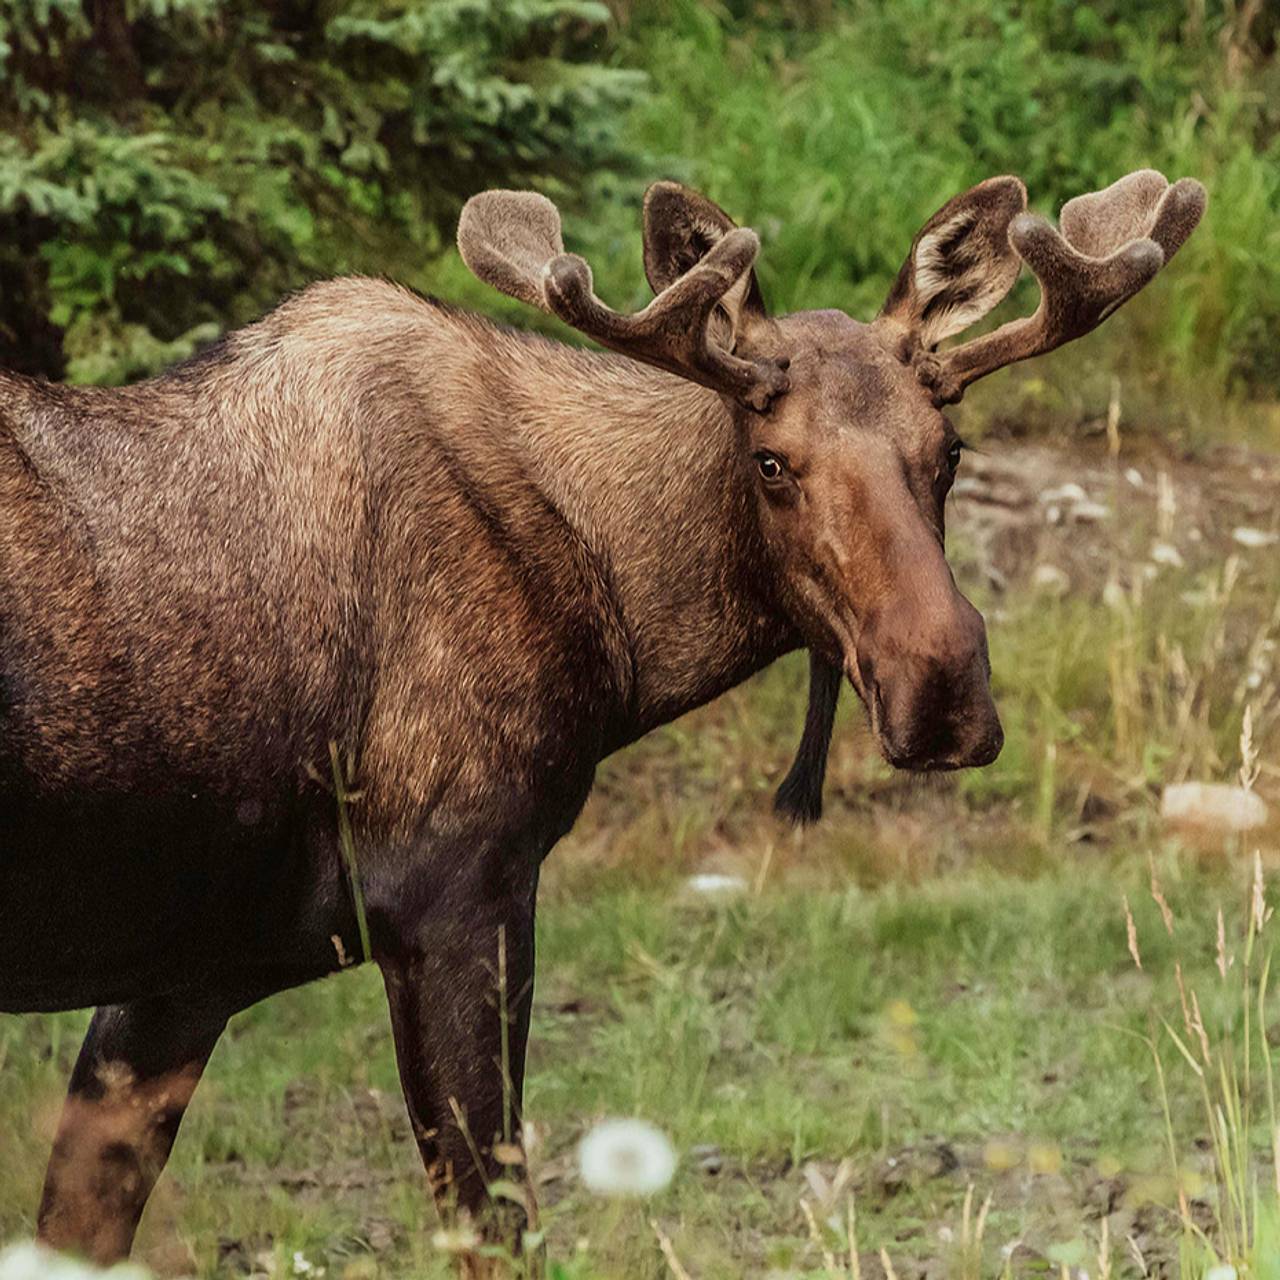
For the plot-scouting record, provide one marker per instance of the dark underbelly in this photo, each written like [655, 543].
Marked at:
[111, 898]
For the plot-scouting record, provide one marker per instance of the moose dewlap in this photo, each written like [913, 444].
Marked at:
[309, 648]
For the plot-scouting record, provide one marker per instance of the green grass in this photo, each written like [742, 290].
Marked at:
[986, 1016]
[932, 985]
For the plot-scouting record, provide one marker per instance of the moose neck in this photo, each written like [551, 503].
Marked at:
[648, 468]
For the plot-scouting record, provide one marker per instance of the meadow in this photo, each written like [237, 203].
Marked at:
[926, 1008]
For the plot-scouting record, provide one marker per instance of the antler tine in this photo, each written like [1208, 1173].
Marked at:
[1112, 242]
[673, 331]
[512, 240]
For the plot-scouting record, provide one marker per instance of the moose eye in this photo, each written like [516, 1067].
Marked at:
[953, 454]
[771, 468]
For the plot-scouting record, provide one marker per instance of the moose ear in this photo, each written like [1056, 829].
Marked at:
[680, 229]
[961, 263]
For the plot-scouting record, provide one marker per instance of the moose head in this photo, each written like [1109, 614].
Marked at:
[841, 423]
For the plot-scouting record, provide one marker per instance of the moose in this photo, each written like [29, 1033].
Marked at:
[310, 646]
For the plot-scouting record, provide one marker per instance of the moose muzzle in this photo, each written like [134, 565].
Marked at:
[925, 675]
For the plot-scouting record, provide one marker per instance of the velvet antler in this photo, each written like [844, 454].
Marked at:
[512, 240]
[1110, 244]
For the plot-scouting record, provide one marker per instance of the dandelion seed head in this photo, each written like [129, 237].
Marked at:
[1252, 539]
[626, 1158]
[29, 1261]
[716, 884]
[1165, 553]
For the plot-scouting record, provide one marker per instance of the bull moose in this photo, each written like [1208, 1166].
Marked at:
[478, 561]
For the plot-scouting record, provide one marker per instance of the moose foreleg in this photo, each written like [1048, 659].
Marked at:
[460, 995]
[137, 1069]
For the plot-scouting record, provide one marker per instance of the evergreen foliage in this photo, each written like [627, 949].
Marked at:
[170, 167]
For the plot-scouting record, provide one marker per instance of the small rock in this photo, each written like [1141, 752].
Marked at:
[1211, 806]
[1090, 512]
[717, 885]
[708, 1157]
[912, 1167]
[382, 1234]
[1167, 554]
[1069, 492]
[1254, 538]
[1134, 477]
[1051, 580]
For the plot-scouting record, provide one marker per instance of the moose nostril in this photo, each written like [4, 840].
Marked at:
[990, 747]
[784, 362]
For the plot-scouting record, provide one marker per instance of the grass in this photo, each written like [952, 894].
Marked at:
[980, 1030]
[925, 1003]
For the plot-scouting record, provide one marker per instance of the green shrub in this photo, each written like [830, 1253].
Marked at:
[836, 141]
[172, 166]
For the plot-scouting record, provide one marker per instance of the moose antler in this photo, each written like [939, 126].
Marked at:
[512, 240]
[1111, 243]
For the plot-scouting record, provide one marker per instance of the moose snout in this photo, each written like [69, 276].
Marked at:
[926, 678]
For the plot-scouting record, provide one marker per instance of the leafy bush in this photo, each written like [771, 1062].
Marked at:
[169, 167]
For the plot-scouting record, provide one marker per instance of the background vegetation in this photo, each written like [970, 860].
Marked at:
[169, 167]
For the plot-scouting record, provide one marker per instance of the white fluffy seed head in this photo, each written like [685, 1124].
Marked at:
[626, 1158]
[716, 885]
[27, 1261]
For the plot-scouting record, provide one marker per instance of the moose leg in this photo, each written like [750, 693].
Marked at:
[137, 1069]
[460, 997]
